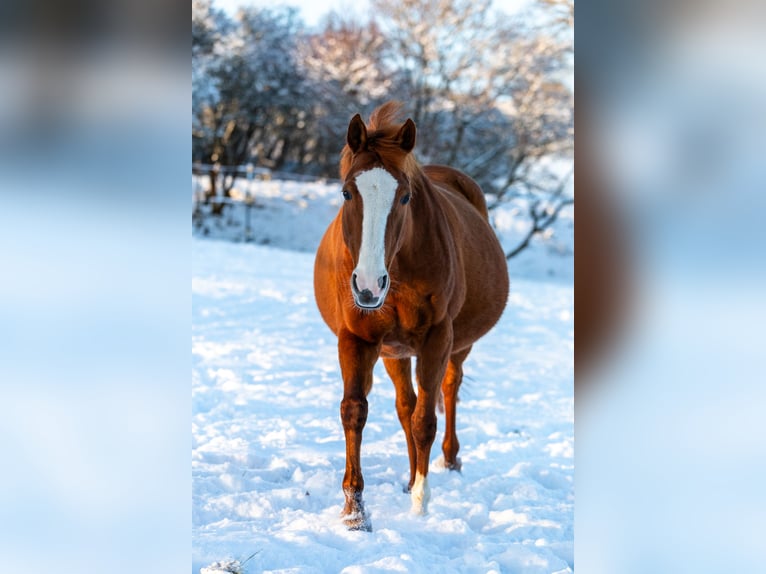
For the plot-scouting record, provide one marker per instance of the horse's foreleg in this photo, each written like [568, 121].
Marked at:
[400, 371]
[431, 366]
[357, 358]
[450, 386]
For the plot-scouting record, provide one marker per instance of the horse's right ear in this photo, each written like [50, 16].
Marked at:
[357, 134]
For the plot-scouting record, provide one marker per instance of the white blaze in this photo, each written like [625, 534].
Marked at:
[420, 494]
[377, 188]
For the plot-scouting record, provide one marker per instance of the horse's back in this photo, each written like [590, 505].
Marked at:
[457, 181]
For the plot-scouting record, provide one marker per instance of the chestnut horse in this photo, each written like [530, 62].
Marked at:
[409, 267]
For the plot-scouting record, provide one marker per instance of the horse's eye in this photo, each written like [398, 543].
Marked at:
[405, 200]
[346, 194]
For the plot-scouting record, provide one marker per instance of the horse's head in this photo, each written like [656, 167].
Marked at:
[376, 189]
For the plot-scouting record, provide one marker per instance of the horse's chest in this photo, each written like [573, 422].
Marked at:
[401, 343]
[407, 334]
[401, 326]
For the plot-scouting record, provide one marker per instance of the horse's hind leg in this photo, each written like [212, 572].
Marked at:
[450, 386]
[400, 371]
[432, 364]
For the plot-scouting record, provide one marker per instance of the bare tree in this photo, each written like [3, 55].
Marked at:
[543, 213]
[540, 106]
[251, 104]
[560, 14]
[490, 92]
[343, 62]
[435, 45]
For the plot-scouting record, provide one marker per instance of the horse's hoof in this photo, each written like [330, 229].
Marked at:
[358, 521]
[407, 488]
[456, 465]
[355, 516]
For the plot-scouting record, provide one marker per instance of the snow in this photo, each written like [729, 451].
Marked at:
[267, 442]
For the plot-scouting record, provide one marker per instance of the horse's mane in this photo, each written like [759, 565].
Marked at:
[382, 128]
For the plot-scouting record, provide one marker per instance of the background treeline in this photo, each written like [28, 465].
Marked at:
[490, 93]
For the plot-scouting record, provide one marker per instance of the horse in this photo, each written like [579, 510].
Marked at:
[409, 267]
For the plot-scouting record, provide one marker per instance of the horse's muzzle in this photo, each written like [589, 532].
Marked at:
[364, 297]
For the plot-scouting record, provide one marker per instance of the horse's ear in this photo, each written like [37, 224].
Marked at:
[357, 134]
[406, 135]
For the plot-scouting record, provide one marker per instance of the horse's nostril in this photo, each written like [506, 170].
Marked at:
[353, 282]
[382, 281]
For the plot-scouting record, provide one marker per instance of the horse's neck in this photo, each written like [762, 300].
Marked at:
[428, 220]
[429, 195]
[422, 185]
[429, 248]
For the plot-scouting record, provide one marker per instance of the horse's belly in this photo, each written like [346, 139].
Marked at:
[396, 350]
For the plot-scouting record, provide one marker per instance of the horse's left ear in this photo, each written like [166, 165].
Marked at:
[406, 135]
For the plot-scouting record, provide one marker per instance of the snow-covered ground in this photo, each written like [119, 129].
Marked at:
[268, 448]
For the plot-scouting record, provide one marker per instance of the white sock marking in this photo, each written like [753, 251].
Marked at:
[420, 494]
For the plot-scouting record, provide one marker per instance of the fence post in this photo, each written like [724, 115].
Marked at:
[248, 201]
